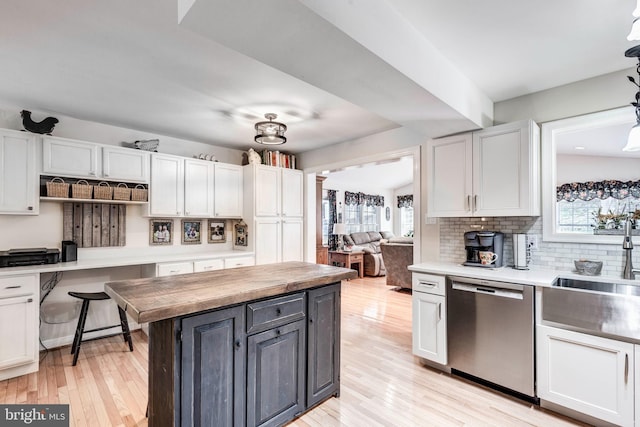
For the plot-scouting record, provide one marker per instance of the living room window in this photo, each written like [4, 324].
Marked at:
[406, 221]
[362, 212]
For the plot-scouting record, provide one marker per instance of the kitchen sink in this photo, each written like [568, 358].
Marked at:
[599, 308]
[606, 287]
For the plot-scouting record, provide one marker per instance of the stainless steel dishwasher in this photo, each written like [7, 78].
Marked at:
[490, 332]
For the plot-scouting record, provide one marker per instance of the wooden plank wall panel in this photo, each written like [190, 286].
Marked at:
[104, 212]
[94, 224]
[113, 225]
[67, 221]
[122, 225]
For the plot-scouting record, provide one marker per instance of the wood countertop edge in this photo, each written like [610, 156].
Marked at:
[228, 299]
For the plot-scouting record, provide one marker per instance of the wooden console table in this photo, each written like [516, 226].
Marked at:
[338, 258]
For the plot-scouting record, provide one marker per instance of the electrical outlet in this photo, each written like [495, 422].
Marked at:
[533, 242]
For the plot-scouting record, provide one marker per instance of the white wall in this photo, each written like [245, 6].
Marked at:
[593, 168]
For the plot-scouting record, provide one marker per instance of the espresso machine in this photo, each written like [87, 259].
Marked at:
[483, 241]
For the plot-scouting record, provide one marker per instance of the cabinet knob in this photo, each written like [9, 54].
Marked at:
[106, 174]
[238, 344]
[30, 300]
[277, 331]
[278, 312]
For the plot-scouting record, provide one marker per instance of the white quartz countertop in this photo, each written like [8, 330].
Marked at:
[534, 276]
[108, 262]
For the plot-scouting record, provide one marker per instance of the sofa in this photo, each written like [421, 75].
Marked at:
[369, 243]
[397, 255]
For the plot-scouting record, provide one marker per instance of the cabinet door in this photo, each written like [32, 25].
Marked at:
[267, 190]
[505, 170]
[198, 188]
[589, 374]
[173, 268]
[125, 164]
[430, 327]
[18, 186]
[166, 190]
[18, 331]
[69, 158]
[323, 353]
[213, 369]
[268, 243]
[292, 249]
[449, 176]
[275, 375]
[292, 191]
[228, 193]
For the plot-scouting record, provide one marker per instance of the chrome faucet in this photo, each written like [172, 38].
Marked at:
[627, 245]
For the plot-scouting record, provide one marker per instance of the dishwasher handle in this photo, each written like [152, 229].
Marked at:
[486, 290]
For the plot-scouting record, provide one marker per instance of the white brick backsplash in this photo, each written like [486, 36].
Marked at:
[555, 255]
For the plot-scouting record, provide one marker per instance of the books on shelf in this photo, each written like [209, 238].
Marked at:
[276, 158]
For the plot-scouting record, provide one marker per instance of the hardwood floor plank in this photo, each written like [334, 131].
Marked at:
[382, 383]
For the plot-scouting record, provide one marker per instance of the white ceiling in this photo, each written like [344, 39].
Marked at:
[331, 79]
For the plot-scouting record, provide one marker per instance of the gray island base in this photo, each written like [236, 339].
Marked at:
[254, 346]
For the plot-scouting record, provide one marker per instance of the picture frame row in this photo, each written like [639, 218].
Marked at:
[161, 231]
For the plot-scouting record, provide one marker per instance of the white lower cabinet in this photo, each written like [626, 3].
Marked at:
[429, 317]
[585, 373]
[278, 240]
[18, 325]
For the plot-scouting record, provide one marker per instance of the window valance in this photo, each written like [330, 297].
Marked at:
[362, 199]
[405, 201]
[597, 190]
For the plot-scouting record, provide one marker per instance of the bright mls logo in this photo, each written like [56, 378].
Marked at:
[34, 415]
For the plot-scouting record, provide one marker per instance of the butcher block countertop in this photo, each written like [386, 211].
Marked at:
[153, 299]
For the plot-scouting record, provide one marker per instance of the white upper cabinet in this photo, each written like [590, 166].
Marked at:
[268, 193]
[198, 188]
[491, 172]
[125, 164]
[166, 191]
[228, 193]
[292, 203]
[18, 183]
[68, 157]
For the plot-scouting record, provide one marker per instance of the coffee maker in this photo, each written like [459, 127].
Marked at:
[483, 241]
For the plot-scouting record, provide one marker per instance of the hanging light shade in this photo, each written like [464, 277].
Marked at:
[270, 133]
[633, 141]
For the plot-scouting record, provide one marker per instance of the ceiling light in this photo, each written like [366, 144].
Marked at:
[634, 34]
[636, 11]
[633, 142]
[270, 133]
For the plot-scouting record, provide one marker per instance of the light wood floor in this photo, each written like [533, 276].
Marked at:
[382, 384]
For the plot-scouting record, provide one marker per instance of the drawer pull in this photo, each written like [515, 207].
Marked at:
[430, 285]
[13, 287]
[30, 300]
[626, 368]
[174, 271]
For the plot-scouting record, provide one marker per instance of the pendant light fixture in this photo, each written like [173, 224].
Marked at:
[633, 141]
[635, 27]
[270, 133]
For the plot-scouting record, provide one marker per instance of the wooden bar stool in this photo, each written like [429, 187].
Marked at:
[86, 298]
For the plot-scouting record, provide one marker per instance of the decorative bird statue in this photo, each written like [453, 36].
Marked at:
[45, 126]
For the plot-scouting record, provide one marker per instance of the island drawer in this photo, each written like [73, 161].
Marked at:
[11, 286]
[263, 315]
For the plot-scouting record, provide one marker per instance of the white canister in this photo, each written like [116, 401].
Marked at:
[520, 252]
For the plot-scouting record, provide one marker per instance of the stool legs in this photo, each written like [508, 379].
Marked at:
[77, 340]
[124, 324]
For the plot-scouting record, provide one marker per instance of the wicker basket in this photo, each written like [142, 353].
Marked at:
[57, 188]
[81, 190]
[102, 191]
[121, 192]
[139, 193]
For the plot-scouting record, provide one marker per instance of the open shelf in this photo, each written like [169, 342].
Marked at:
[113, 202]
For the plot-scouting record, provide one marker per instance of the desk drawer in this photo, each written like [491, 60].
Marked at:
[11, 286]
[268, 314]
[208, 265]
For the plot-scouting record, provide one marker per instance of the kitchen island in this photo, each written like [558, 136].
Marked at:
[249, 346]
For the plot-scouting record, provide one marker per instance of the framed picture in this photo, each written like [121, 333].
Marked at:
[217, 232]
[160, 231]
[240, 234]
[191, 232]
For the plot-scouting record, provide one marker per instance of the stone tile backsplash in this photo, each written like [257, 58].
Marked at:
[552, 255]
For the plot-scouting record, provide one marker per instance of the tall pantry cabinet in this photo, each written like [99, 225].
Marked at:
[273, 207]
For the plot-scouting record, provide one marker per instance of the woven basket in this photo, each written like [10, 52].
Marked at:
[121, 192]
[139, 193]
[102, 191]
[57, 188]
[81, 190]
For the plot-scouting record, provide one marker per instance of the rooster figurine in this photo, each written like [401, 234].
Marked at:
[45, 126]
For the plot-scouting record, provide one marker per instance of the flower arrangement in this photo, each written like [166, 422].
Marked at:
[615, 220]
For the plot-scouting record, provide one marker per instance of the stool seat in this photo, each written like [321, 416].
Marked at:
[86, 298]
[93, 296]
